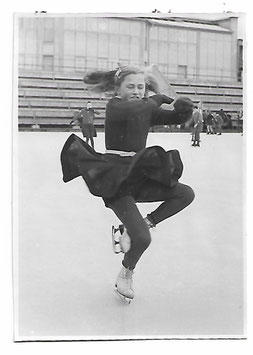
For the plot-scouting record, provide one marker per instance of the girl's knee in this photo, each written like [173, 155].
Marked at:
[140, 236]
[185, 193]
[145, 239]
[189, 194]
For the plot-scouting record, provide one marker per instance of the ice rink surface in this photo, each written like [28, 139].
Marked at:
[190, 281]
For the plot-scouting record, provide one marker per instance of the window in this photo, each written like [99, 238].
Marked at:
[154, 33]
[124, 27]
[163, 34]
[134, 48]
[80, 43]
[163, 52]
[91, 48]
[69, 43]
[91, 63]
[153, 51]
[49, 30]
[48, 62]
[103, 25]
[182, 71]
[135, 28]
[182, 36]
[103, 45]
[172, 53]
[211, 54]
[48, 35]
[192, 55]
[191, 36]
[124, 47]
[102, 63]
[92, 24]
[80, 63]
[182, 54]
[113, 26]
[114, 46]
[69, 23]
[81, 23]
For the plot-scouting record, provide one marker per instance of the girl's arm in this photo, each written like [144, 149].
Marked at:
[183, 108]
[161, 99]
[151, 102]
[121, 107]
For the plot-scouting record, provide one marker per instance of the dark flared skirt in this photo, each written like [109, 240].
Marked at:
[110, 175]
[89, 130]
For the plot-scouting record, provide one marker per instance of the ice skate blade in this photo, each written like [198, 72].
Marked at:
[124, 298]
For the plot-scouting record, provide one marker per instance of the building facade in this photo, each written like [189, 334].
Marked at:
[181, 48]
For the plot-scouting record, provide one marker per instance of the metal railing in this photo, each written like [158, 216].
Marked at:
[170, 71]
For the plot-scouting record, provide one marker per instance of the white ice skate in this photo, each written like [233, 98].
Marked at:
[121, 241]
[123, 285]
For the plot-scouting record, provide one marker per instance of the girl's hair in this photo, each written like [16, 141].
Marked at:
[107, 81]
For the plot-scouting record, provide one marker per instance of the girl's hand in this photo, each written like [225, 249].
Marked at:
[184, 108]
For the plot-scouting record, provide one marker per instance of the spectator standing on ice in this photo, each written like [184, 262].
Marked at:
[229, 120]
[129, 172]
[214, 123]
[223, 115]
[197, 119]
[85, 118]
[240, 121]
[204, 117]
[219, 123]
[209, 123]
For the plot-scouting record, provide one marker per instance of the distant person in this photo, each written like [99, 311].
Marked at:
[85, 118]
[222, 114]
[209, 123]
[205, 114]
[214, 125]
[240, 121]
[219, 122]
[229, 120]
[197, 119]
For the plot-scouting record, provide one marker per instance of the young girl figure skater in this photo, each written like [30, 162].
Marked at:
[128, 172]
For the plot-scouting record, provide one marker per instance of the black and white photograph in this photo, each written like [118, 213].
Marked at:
[129, 193]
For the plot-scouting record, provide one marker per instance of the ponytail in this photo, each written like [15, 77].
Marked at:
[108, 81]
[100, 81]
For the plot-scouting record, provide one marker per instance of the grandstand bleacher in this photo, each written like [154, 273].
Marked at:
[49, 100]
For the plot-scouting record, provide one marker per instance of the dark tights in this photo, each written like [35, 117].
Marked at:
[91, 141]
[175, 199]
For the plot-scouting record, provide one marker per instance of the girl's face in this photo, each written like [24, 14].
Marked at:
[132, 87]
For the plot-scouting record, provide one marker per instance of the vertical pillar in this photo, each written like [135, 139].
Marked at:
[198, 56]
[146, 56]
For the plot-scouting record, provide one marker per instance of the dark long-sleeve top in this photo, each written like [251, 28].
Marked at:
[209, 119]
[85, 116]
[127, 123]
